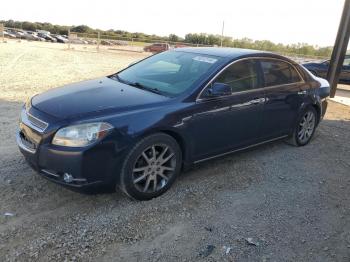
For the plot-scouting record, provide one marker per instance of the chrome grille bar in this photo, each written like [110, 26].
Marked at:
[33, 122]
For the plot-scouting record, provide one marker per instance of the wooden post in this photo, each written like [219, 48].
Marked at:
[2, 28]
[68, 38]
[98, 40]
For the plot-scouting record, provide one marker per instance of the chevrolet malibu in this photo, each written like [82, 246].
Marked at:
[138, 128]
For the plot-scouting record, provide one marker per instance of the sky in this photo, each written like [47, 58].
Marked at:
[281, 21]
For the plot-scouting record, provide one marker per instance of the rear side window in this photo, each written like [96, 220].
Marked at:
[277, 72]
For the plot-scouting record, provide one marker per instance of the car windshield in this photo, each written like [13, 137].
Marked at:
[169, 73]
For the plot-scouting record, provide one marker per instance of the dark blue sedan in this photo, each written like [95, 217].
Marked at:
[138, 128]
[321, 68]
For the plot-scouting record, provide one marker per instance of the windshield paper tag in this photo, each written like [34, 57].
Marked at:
[205, 59]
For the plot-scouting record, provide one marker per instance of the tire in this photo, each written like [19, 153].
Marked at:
[151, 167]
[305, 127]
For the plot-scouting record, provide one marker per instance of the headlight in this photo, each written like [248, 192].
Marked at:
[81, 135]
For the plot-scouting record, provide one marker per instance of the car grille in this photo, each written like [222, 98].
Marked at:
[29, 144]
[41, 125]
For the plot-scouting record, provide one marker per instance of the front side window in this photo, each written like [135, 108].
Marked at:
[277, 72]
[171, 73]
[240, 76]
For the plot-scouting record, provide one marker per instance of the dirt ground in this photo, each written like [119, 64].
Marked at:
[272, 203]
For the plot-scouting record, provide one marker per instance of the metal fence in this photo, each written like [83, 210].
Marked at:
[112, 42]
[104, 42]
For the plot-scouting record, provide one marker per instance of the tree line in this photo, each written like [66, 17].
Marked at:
[191, 38]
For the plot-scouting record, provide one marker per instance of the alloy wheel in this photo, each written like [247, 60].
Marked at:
[154, 168]
[306, 127]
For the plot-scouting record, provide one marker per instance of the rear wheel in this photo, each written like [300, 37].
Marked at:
[305, 127]
[151, 167]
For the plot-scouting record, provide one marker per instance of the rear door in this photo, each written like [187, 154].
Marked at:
[284, 96]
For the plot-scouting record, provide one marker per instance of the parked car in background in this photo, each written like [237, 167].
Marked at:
[60, 39]
[91, 41]
[9, 34]
[120, 42]
[78, 41]
[47, 37]
[43, 32]
[106, 42]
[136, 129]
[157, 47]
[18, 33]
[321, 68]
[30, 36]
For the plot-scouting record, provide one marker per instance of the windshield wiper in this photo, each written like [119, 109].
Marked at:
[143, 87]
[116, 76]
[138, 85]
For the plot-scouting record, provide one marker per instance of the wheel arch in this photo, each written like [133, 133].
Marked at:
[179, 138]
[317, 107]
[181, 142]
[304, 106]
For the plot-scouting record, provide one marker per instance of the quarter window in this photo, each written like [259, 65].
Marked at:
[240, 76]
[278, 72]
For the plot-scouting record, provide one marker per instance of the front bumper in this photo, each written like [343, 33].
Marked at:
[324, 105]
[90, 167]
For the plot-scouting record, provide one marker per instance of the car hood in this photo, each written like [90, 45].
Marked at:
[93, 96]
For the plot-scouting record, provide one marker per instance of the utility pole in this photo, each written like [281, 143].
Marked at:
[339, 49]
[222, 31]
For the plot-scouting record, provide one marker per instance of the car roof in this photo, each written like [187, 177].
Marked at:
[221, 51]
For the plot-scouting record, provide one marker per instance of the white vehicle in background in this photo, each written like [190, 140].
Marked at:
[44, 32]
[78, 41]
[18, 34]
[9, 35]
[29, 35]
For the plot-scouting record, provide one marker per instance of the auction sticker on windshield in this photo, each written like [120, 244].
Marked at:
[205, 59]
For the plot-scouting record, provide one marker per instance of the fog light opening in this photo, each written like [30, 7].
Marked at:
[68, 178]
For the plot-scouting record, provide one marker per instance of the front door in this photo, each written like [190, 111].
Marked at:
[222, 124]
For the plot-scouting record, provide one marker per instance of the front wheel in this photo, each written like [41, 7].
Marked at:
[305, 127]
[151, 167]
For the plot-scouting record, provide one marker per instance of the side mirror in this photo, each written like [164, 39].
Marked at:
[219, 89]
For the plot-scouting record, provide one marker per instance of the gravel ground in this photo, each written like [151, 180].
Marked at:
[272, 203]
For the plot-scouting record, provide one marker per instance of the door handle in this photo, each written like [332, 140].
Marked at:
[257, 101]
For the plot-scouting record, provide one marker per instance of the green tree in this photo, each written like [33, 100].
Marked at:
[173, 38]
[81, 29]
